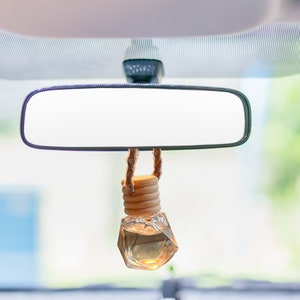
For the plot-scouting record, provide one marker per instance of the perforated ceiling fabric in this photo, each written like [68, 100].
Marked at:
[270, 51]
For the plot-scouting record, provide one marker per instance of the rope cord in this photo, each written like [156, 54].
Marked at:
[131, 162]
[157, 162]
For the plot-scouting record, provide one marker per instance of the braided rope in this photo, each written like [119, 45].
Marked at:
[157, 162]
[131, 162]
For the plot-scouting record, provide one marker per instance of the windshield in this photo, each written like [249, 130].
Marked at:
[233, 211]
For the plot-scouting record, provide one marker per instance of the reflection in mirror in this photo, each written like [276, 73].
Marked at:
[116, 117]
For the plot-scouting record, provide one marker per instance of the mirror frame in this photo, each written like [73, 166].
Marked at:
[240, 95]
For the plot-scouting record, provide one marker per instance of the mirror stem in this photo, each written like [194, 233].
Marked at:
[143, 71]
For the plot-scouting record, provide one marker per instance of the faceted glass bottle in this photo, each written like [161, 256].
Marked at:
[146, 240]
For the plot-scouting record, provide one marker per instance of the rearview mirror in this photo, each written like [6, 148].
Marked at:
[117, 117]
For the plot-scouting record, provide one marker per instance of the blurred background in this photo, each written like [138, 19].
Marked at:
[235, 212]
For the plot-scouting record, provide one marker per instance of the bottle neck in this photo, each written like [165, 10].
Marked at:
[145, 200]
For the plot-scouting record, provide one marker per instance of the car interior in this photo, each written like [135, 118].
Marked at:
[103, 103]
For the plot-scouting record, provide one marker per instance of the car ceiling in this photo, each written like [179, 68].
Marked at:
[267, 46]
[133, 18]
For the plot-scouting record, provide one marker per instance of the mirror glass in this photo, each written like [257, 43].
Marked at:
[118, 117]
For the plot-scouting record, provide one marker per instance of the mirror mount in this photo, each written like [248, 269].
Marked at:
[143, 71]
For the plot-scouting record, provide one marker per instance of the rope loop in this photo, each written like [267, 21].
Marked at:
[131, 162]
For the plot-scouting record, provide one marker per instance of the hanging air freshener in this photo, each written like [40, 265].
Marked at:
[146, 240]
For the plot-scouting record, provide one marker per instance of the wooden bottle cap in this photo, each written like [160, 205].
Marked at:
[145, 199]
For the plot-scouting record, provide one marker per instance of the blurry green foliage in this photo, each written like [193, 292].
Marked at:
[8, 128]
[282, 142]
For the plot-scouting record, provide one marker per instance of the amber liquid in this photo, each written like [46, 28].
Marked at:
[150, 250]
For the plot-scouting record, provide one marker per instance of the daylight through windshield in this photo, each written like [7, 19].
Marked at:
[233, 211]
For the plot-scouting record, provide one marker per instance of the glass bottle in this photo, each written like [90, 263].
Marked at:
[146, 240]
